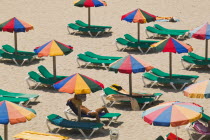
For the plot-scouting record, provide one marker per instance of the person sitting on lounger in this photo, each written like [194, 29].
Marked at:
[121, 90]
[77, 102]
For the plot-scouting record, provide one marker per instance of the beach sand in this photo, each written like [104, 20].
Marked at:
[50, 19]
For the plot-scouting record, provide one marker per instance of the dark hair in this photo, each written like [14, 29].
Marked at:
[117, 87]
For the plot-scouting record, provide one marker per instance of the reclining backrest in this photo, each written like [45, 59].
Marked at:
[8, 48]
[73, 108]
[44, 72]
[81, 23]
[33, 75]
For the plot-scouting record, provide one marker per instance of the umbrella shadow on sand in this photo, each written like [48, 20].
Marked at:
[75, 134]
[27, 63]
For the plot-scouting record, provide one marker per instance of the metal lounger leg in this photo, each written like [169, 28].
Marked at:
[15, 61]
[140, 49]
[117, 46]
[68, 30]
[78, 62]
[24, 60]
[144, 105]
[47, 122]
[87, 64]
[145, 85]
[90, 33]
[94, 129]
[183, 86]
[98, 33]
[81, 131]
[104, 66]
[37, 84]
[102, 98]
[148, 50]
[154, 83]
[172, 84]
[192, 65]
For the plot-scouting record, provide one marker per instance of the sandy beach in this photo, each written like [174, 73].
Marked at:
[50, 19]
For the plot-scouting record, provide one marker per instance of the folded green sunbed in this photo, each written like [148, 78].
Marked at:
[84, 29]
[197, 57]
[160, 80]
[83, 24]
[90, 60]
[44, 72]
[10, 49]
[160, 73]
[101, 57]
[15, 100]
[159, 27]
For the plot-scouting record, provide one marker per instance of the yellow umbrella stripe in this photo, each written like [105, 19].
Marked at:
[156, 44]
[81, 87]
[28, 114]
[190, 114]
[55, 49]
[76, 1]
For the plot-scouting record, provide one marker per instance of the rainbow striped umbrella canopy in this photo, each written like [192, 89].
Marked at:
[89, 3]
[13, 114]
[172, 45]
[15, 25]
[53, 48]
[198, 90]
[138, 16]
[172, 114]
[78, 84]
[202, 32]
[129, 65]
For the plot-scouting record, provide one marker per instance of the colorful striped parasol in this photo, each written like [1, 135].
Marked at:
[202, 32]
[138, 16]
[198, 90]
[13, 114]
[172, 45]
[78, 84]
[173, 114]
[129, 65]
[89, 3]
[15, 25]
[53, 48]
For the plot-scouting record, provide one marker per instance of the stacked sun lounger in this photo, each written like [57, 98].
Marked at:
[159, 31]
[157, 77]
[80, 26]
[90, 58]
[46, 79]
[193, 59]
[131, 42]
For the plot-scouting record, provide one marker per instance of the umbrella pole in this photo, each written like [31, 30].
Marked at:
[206, 49]
[5, 132]
[130, 84]
[15, 40]
[138, 32]
[88, 16]
[54, 67]
[176, 133]
[170, 64]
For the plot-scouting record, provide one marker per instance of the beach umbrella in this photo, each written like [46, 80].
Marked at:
[78, 84]
[15, 25]
[138, 16]
[172, 45]
[88, 4]
[202, 32]
[173, 114]
[13, 114]
[53, 48]
[198, 90]
[129, 65]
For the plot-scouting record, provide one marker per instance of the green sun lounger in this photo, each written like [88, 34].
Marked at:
[160, 73]
[83, 24]
[129, 44]
[10, 49]
[18, 95]
[19, 101]
[14, 58]
[160, 33]
[159, 27]
[35, 77]
[101, 57]
[44, 72]
[89, 60]
[159, 80]
[144, 100]
[193, 62]
[72, 110]
[197, 57]
[64, 123]
[77, 28]
[143, 42]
